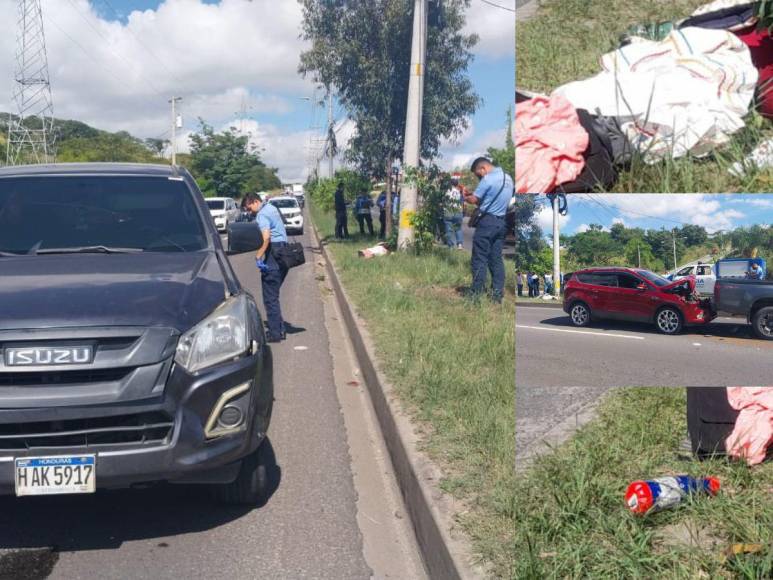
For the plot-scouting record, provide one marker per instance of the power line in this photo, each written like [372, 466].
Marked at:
[642, 214]
[103, 37]
[87, 53]
[143, 45]
[498, 5]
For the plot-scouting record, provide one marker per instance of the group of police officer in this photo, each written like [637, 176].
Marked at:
[491, 197]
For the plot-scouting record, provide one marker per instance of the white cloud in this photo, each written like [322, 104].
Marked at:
[698, 209]
[119, 75]
[495, 27]
[545, 221]
[618, 220]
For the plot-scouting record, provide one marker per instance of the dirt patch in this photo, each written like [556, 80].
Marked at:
[35, 564]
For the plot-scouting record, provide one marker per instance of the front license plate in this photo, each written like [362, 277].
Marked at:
[55, 475]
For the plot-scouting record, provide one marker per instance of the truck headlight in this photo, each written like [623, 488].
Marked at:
[220, 336]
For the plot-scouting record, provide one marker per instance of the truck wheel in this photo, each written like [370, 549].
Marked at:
[580, 314]
[251, 485]
[762, 322]
[669, 320]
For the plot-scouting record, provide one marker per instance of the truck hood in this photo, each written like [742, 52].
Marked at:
[174, 290]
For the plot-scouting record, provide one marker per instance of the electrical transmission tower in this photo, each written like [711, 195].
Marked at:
[31, 133]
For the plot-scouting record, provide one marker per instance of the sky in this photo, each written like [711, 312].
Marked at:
[114, 64]
[655, 211]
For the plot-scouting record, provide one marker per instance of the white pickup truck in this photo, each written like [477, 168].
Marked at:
[705, 276]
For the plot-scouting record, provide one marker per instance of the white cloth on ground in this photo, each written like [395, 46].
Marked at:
[685, 94]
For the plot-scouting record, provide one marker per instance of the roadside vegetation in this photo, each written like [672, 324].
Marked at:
[223, 163]
[452, 363]
[564, 41]
[652, 248]
[573, 521]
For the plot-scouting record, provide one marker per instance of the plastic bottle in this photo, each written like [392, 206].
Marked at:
[654, 495]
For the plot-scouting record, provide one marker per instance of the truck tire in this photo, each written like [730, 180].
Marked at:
[251, 486]
[669, 320]
[762, 323]
[579, 314]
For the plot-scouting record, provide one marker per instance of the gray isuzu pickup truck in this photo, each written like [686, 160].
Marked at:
[129, 352]
[750, 298]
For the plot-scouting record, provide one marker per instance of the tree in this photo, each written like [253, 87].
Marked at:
[156, 145]
[593, 247]
[505, 158]
[362, 50]
[226, 165]
[694, 235]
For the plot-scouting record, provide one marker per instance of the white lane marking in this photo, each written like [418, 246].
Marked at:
[696, 344]
[301, 348]
[609, 334]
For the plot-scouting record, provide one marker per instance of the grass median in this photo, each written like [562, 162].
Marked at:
[564, 41]
[573, 522]
[452, 363]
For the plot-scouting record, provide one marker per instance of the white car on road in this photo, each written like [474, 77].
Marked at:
[224, 211]
[291, 212]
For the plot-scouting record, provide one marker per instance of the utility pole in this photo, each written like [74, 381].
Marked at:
[31, 135]
[638, 250]
[330, 133]
[674, 237]
[556, 249]
[174, 101]
[412, 150]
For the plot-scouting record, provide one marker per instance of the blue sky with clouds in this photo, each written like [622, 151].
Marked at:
[114, 64]
[654, 211]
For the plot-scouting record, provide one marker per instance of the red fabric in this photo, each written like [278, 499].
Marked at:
[549, 143]
[753, 431]
[761, 47]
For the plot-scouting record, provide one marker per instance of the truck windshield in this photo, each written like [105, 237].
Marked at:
[44, 213]
[216, 204]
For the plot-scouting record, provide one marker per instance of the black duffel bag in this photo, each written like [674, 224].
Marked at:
[290, 255]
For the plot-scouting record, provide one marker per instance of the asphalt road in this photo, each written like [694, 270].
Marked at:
[545, 418]
[332, 482]
[550, 352]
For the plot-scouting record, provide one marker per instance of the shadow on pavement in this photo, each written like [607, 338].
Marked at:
[107, 519]
[713, 329]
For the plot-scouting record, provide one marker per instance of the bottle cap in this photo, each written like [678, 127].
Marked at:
[639, 497]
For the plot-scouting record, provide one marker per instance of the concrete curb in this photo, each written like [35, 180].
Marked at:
[547, 304]
[445, 554]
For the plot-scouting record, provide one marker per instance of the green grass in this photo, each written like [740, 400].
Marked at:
[564, 42]
[453, 363]
[573, 522]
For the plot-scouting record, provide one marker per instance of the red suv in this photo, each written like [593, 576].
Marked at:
[633, 294]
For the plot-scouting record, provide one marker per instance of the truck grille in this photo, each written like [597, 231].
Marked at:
[80, 377]
[141, 428]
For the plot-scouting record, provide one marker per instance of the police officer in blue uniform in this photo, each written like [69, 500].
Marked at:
[492, 196]
[273, 235]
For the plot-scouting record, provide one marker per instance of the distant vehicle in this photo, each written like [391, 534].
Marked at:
[291, 212]
[750, 298]
[224, 211]
[300, 196]
[636, 295]
[704, 275]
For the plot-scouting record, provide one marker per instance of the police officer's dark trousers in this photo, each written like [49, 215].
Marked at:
[487, 244]
[363, 219]
[342, 227]
[272, 281]
[382, 223]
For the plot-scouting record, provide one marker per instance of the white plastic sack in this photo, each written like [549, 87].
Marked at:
[686, 93]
